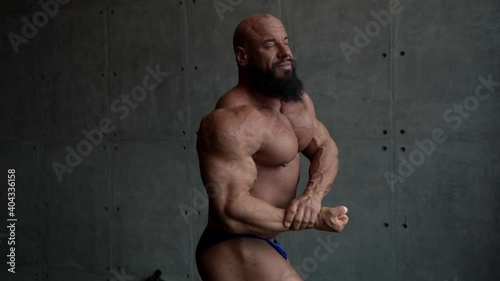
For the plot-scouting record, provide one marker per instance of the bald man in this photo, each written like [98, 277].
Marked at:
[248, 150]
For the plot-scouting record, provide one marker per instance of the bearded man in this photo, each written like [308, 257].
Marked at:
[248, 150]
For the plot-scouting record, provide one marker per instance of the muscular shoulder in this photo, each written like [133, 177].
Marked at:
[231, 130]
[308, 104]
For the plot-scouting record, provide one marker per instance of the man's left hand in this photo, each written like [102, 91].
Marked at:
[302, 212]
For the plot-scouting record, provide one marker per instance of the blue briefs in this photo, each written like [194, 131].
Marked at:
[212, 237]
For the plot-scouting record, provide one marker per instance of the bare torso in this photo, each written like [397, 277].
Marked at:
[286, 130]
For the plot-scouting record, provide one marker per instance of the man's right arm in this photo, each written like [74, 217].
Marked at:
[225, 148]
[226, 143]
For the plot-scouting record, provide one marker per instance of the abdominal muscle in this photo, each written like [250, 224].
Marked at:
[277, 185]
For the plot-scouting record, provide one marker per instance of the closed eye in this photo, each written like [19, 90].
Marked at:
[269, 43]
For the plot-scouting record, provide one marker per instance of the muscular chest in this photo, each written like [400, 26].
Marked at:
[289, 131]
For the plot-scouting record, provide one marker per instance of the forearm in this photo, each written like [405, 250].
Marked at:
[248, 214]
[254, 216]
[323, 170]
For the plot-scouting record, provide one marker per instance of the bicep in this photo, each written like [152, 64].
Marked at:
[320, 140]
[225, 153]
[321, 136]
[227, 178]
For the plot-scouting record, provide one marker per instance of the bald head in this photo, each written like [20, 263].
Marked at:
[251, 29]
[265, 61]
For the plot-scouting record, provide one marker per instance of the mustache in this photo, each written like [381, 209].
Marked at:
[285, 60]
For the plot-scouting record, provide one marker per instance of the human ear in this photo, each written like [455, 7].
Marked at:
[241, 56]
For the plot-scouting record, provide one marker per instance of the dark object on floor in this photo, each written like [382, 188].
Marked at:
[155, 277]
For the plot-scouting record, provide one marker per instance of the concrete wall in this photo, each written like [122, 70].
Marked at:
[403, 90]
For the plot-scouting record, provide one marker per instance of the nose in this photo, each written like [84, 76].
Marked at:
[284, 51]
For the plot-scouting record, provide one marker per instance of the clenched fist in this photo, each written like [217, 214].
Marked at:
[332, 219]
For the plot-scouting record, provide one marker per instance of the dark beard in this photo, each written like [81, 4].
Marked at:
[289, 88]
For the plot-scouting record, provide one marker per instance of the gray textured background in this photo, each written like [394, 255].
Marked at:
[134, 204]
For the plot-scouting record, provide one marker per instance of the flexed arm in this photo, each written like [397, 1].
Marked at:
[323, 155]
[225, 148]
